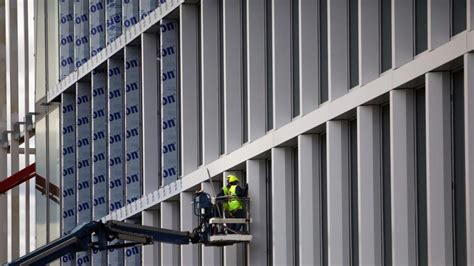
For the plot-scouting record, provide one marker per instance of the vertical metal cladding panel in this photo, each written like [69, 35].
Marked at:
[81, 32]
[69, 167]
[132, 137]
[99, 153]
[97, 26]
[147, 6]
[116, 145]
[66, 38]
[169, 106]
[83, 163]
[130, 13]
[114, 19]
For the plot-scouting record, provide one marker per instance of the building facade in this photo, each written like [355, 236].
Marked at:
[352, 123]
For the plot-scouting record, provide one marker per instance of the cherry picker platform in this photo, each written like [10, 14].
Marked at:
[213, 230]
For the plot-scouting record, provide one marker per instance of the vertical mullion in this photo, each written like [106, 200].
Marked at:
[386, 35]
[459, 199]
[323, 52]
[269, 57]
[353, 43]
[420, 147]
[295, 57]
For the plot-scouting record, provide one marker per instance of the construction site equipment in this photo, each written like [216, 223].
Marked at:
[213, 230]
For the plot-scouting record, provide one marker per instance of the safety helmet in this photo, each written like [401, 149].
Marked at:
[232, 178]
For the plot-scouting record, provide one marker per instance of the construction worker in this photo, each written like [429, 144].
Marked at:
[233, 205]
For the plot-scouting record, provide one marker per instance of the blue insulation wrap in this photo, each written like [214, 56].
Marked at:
[81, 32]
[97, 26]
[133, 149]
[99, 153]
[116, 144]
[130, 13]
[66, 38]
[83, 163]
[169, 107]
[114, 19]
[68, 157]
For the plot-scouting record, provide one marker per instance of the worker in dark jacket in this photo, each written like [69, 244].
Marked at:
[233, 205]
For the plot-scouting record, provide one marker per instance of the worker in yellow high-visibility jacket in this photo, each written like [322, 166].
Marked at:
[233, 205]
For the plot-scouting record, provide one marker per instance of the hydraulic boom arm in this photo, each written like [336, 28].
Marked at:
[96, 235]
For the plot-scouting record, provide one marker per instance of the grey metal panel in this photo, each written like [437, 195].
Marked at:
[189, 85]
[338, 48]
[210, 78]
[402, 33]
[97, 26]
[189, 254]
[403, 182]
[256, 71]
[309, 199]
[150, 113]
[83, 163]
[281, 63]
[66, 38]
[338, 192]
[438, 162]
[282, 205]
[68, 162]
[99, 153]
[309, 56]
[256, 178]
[469, 140]
[232, 53]
[116, 143]
[133, 153]
[81, 32]
[438, 23]
[470, 14]
[169, 102]
[369, 186]
[369, 40]
[113, 20]
[170, 220]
